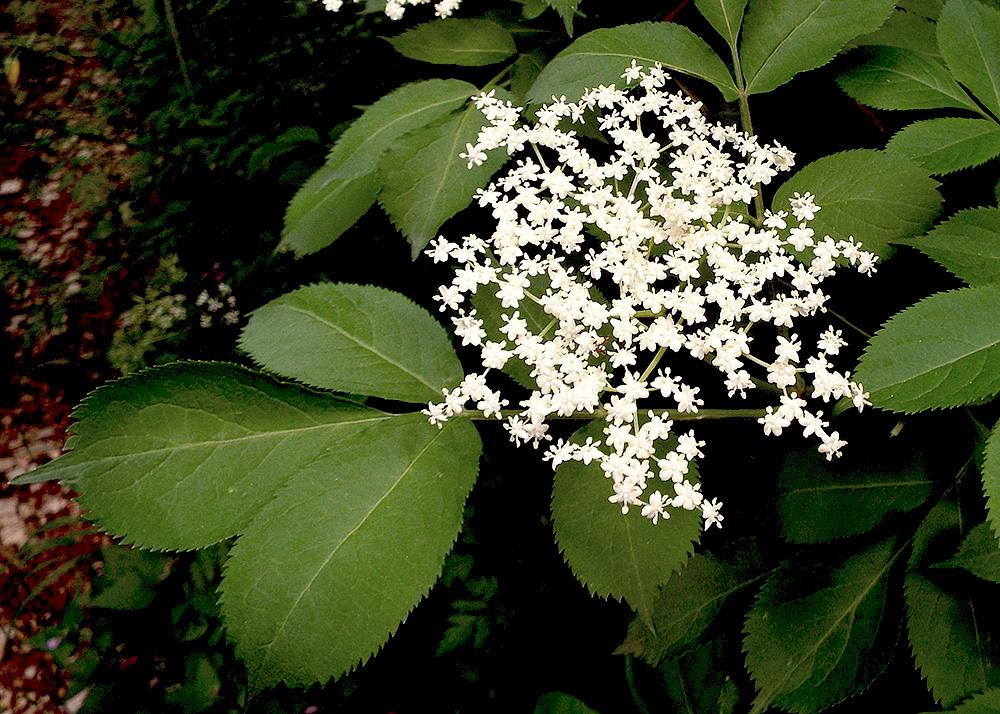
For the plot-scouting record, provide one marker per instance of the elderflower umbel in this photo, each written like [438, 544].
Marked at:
[395, 8]
[658, 224]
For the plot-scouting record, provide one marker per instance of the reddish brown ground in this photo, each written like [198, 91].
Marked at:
[60, 314]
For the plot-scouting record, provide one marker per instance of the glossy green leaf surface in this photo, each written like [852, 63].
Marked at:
[600, 57]
[465, 42]
[426, 182]
[821, 500]
[360, 147]
[967, 244]
[818, 635]
[725, 16]
[331, 567]
[949, 144]
[894, 78]
[968, 36]
[183, 456]
[878, 198]
[324, 208]
[979, 554]
[991, 478]
[784, 37]
[621, 556]
[942, 352]
[354, 338]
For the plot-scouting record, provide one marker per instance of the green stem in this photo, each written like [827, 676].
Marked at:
[169, 12]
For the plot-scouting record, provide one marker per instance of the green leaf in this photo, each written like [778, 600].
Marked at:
[822, 500]
[725, 16]
[561, 703]
[324, 208]
[615, 555]
[893, 78]
[426, 182]
[465, 42]
[949, 144]
[906, 30]
[183, 456]
[331, 567]
[688, 603]
[360, 147]
[967, 244]
[968, 35]
[979, 554]
[818, 635]
[942, 352]
[523, 73]
[566, 10]
[991, 478]
[930, 9]
[354, 338]
[987, 702]
[600, 57]
[784, 37]
[943, 624]
[876, 197]
[695, 681]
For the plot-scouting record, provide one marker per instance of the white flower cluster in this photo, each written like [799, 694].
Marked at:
[661, 227]
[212, 305]
[395, 8]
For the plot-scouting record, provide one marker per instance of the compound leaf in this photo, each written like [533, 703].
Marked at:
[819, 635]
[331, 567]
[894, 78]
[426, 182]
[968, 36]
[600, 57]
[878, 198]
[359, 148]
[967, 244]
[622, 556]
[465, 42]
[354, 338]
[948, 144]
[784, 37]
[183, 456]
[942, 352]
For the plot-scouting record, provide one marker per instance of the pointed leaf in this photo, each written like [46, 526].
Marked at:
[819, 635]
[979, 554]
[600, 57]
[324, 208]
[685, 607]
[968, 35]
[359, 148]
[822, 500]
[616, 555]
[967, 244]
[331, 567]
[183, 456]
[465, 42]
[726, 16]
[893, 78]
[566, 10]
[784, 37]
[942, 352]
[943, 146]
[943, 625]
[991, 478]
[876, 197]
[354, 338]
[426, 182]
[906, 30]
